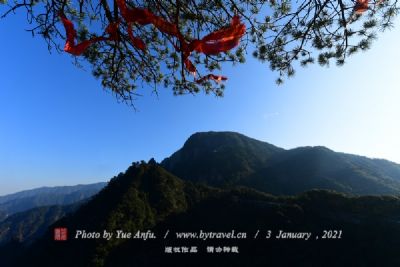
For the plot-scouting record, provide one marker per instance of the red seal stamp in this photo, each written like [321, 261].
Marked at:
[60, 234]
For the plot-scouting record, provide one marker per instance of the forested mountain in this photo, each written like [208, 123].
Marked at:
[219, 158]
[306, 168]
[147, 197]
[231, 159]
[46, 196]
[224, 182]
[140, 198]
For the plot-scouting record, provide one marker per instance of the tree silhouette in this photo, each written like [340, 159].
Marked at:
[179, 44]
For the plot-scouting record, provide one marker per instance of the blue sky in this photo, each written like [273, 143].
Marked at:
[59, 127]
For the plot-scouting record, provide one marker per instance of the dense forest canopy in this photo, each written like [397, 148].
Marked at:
[182, 44]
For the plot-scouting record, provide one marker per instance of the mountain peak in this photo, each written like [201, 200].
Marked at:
[219, 158]
[130, 190]
[230, 158]
[213, 138]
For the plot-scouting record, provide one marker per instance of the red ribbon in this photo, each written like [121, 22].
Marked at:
[112, 30]
[70, 46]
[361, 6]
[144, 17]
[216, 78]
[222, 40]
[137, 42]
[214, 43]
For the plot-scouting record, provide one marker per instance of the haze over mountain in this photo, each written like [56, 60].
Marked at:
[25, 227]
[46, 196]
[228, 159]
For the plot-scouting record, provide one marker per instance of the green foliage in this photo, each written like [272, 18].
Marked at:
[278, 32]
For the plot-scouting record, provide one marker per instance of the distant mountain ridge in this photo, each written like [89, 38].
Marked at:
[232, 159]
[49, 190]
[46, 196]
[25, 227]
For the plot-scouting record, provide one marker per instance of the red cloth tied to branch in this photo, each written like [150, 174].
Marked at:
[144, 17]
[112, 30]
[216, 78]
[70, 46]
[214, 43]
[361, 6]
[137, 42]
[222, 40]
